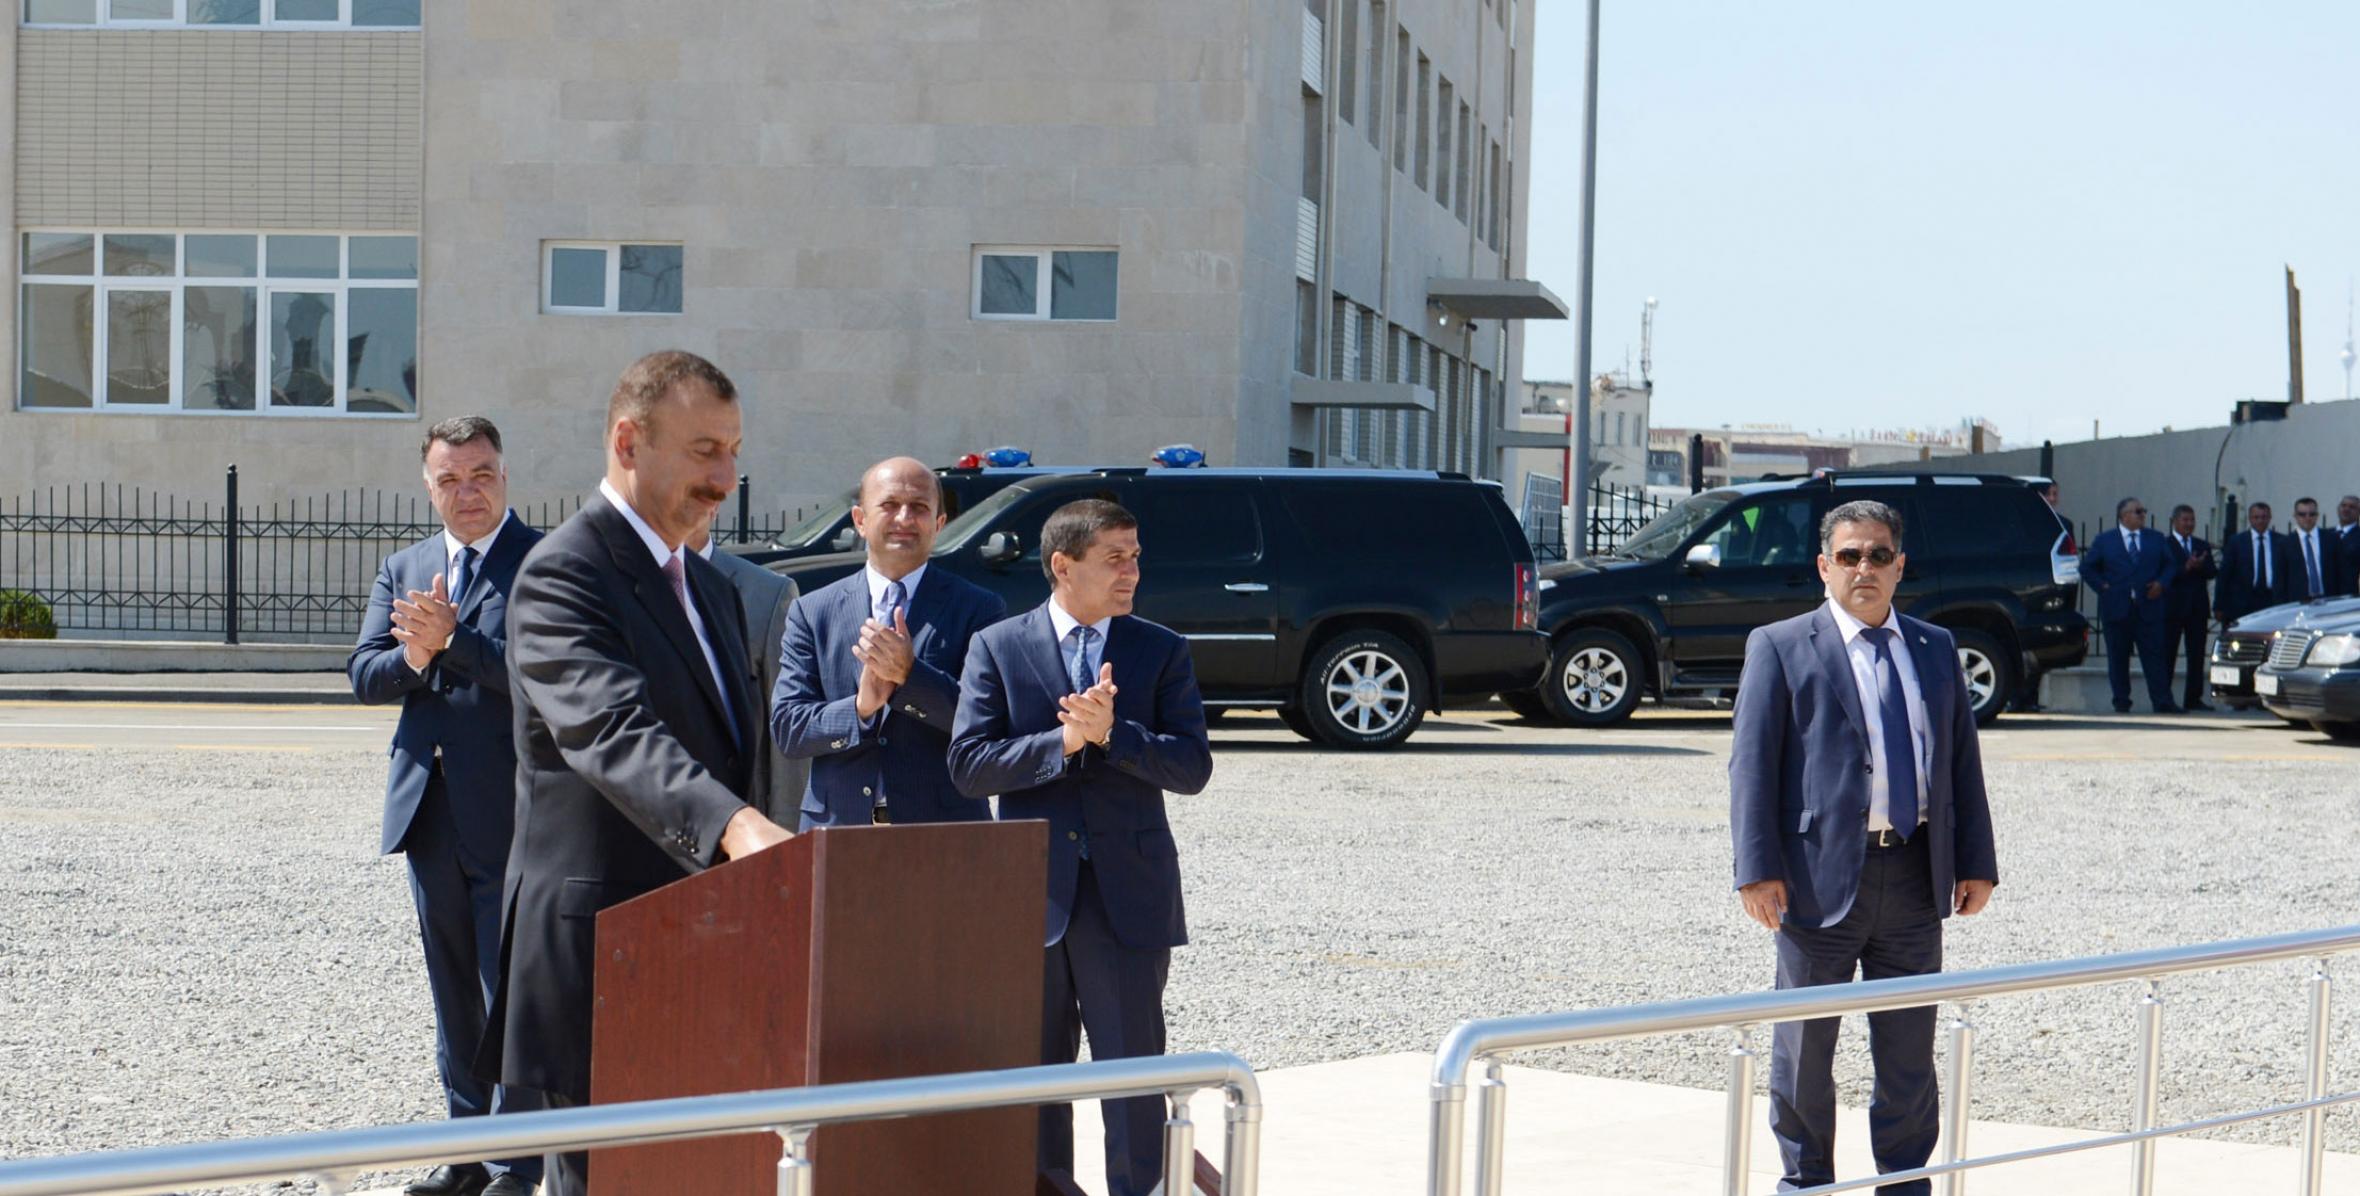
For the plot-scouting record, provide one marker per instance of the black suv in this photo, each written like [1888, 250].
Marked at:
[1353, 602]
[1669, 612]
[829, 529]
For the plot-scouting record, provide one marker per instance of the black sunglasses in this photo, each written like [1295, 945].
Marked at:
[1850, 558]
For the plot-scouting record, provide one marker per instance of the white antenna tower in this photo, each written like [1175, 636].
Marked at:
[1647, 348]
[2348, 356]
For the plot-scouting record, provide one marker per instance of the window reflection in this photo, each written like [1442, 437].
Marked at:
[302, 326]
[217, 348]
[139, 347]
[650, 279]
[381, 350]
[57, 345]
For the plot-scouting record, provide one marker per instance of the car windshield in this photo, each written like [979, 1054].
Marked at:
[813, 528]
[957, 532]
[1657, 540]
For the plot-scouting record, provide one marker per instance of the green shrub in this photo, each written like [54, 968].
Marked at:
[24, 616]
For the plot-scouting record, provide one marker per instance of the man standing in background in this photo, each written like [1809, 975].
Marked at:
[868, 679]
[2130, 569]
[2319, 574]
[2187, 611]
[2253, 569]
[435, 639]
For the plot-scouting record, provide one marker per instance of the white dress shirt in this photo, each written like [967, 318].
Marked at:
[1863, 655]
[664, 554]
[877, 584]
[1064, 625]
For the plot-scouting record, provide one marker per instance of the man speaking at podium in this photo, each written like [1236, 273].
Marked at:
[635, 718]
[1079, 713]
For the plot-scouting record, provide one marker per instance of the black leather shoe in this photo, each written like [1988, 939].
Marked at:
[465, 1179]
[2168, 708]
[2198, 707]
[507, 1184]
[2122, 708]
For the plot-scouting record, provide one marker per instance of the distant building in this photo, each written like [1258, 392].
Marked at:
[1750, 452]
[1619, 415]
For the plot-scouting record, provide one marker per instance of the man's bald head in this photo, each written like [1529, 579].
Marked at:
[898, 512]
[907, 470]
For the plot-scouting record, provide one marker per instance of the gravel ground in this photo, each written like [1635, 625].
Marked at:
[204, 944]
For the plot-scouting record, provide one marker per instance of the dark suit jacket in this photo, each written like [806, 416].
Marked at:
[628, 768]
[2189, 598]
[905, 756]
[1008, 741]
[764, 597]
[2331, 566]
[1799, 768]
[2234, 595]
[2347, 551]
[459, 705]
[2120, 580]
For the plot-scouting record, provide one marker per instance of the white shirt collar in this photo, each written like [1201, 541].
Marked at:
[878, 582]
[1065, 623]
[1852, 627]
[483, 547]
[647, 535]
[2128, 532]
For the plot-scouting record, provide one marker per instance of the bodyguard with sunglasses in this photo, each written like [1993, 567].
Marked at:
[2130, 567]
[1856, 802]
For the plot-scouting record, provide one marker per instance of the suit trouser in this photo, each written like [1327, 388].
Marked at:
[1893, 929]
[2185, 636]
[2144, 630]
[569, 1173]
[458, 900]
[1094, 983]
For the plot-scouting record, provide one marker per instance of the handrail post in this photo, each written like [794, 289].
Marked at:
[1179, 1147]
[794, 1162]
[1241, 1154]
[1737, 1136]
[1446, 1136]
[1491, 1130]
[2149, 1088]
[1954, 1119]
[2315, 1083]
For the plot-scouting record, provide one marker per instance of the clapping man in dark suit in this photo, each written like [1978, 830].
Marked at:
[2188, 604]
[2254, 573]
[2319, 573]
[1857, 806]
[763, 597]
[635, 718]
[1080, 713]
[868, 680]
[2130, 569]
[435, 639]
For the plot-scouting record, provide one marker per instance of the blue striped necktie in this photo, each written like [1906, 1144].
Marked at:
[1901, 774]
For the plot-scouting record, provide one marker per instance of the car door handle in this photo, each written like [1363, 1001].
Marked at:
[1246, 587]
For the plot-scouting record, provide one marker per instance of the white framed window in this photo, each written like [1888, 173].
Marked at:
[610, 278]
[218, 322]
[1044, 282]
[222, 14]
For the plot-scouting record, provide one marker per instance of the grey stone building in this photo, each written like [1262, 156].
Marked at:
[285, 233]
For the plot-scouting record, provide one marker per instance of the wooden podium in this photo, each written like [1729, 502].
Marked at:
[857, 953]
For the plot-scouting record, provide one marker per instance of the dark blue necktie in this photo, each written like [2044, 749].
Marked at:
[895, 599]
[2311, 563]
[1081, 637]
[1901, 774]
[461, 573]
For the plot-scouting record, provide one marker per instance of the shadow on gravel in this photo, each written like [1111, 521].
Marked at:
[2140, 721]
[1417, 746]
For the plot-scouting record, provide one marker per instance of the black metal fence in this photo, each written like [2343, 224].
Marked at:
[126, 559]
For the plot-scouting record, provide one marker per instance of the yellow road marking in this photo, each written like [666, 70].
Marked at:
[238, 747]
[78, 747]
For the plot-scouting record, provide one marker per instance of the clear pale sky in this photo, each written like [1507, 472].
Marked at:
[1882, 214]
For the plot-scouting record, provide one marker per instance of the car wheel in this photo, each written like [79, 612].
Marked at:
[1990, 673]
[1527, 702]
[1364, 689]
[2340, 732]
[1594, 678]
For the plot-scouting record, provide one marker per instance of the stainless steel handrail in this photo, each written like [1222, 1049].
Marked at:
[1485, 1039]
[331, 1157]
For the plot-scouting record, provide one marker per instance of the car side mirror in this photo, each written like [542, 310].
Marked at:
[1705, 556]
[845, 540]
[1001, 547]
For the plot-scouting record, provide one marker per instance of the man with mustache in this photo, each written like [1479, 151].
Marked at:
[868, 678]
[636, 718]
[1082, 714]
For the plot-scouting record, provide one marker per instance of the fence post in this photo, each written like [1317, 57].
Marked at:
[229, 560]
[1696, 463]
[745, 507]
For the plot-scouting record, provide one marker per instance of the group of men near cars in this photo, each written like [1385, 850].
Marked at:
[594, 713]
[2158, 591]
